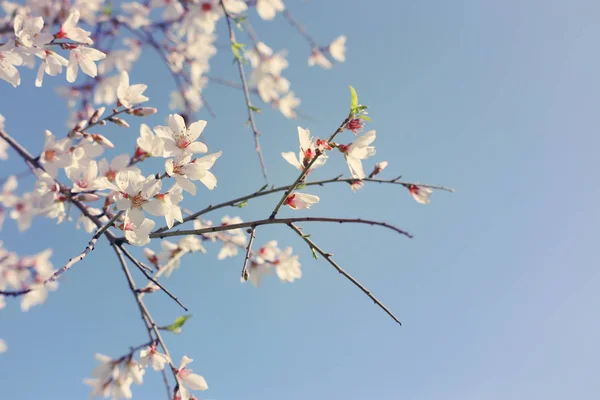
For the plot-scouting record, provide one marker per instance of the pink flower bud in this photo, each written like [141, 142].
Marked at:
[97, 114]
[98, 138]
[88, 197]
[144, 111]
[119, 121]
[355, 125]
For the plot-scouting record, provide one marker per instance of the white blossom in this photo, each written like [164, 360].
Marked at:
[129, 95]
[267, 9]
[357, 151]
[337, 49]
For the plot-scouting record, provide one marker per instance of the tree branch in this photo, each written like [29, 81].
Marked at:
[327, 256]
[249, 106]
[260, 193]
[245, 274]
[272, 221]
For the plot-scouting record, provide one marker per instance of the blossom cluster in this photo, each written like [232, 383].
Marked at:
[41, 32]
[114, 377]
[82, 173]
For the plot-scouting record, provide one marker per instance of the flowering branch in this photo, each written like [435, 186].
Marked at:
[272, 221]
[262, 192]
[307, 168]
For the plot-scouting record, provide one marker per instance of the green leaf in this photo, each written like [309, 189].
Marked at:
[264, 187]
[306, 236]
[315, 255]
[179, 322]
[255, 109]
[365, 117]
[236, 50]
[353, 99]
[107, 10]
[242, 204]
[301, 186]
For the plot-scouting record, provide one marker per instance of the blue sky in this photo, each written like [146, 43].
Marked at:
[497, 292]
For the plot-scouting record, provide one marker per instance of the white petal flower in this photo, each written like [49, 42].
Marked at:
[83, 57]
[308, 151]
[357, 151]
[139, 235]
[299, 201]
[288, 266]
[70, 30]
[150, 144]
[419, 193]
[8, 60]
[267, 9]
[130, 95]
[188, 380]
[28, 31]
[287, 104]
[52, 64]
[152, 357]
[337, 49]
[318, 58]
[180, 140]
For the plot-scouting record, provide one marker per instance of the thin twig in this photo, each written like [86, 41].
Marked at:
[249, 106]
[327, 256]
[260, 193]
[245, 274]
[150, 324]
[272, 221]
[90, 246]
[300, 29]
[139, 265]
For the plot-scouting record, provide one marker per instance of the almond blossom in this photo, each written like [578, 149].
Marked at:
[300, 201]
[233, 239]
[136, 193]
[83, 177]
[150, 356]
[185, 170]
[188, 380]
[8, 60]
[23, 211]
[170, 201]
[52, 64]
[149, 145]
[358, 151]
[70, 30]
[287, 104]
[337, 49]
[308, 151]
[138, 234]
[318, 58]
[180, 140]
[85, 58]
[419, 193]
[118, 164]
[130, 95]
[287, 266]
[267, 9]
[28, 31]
